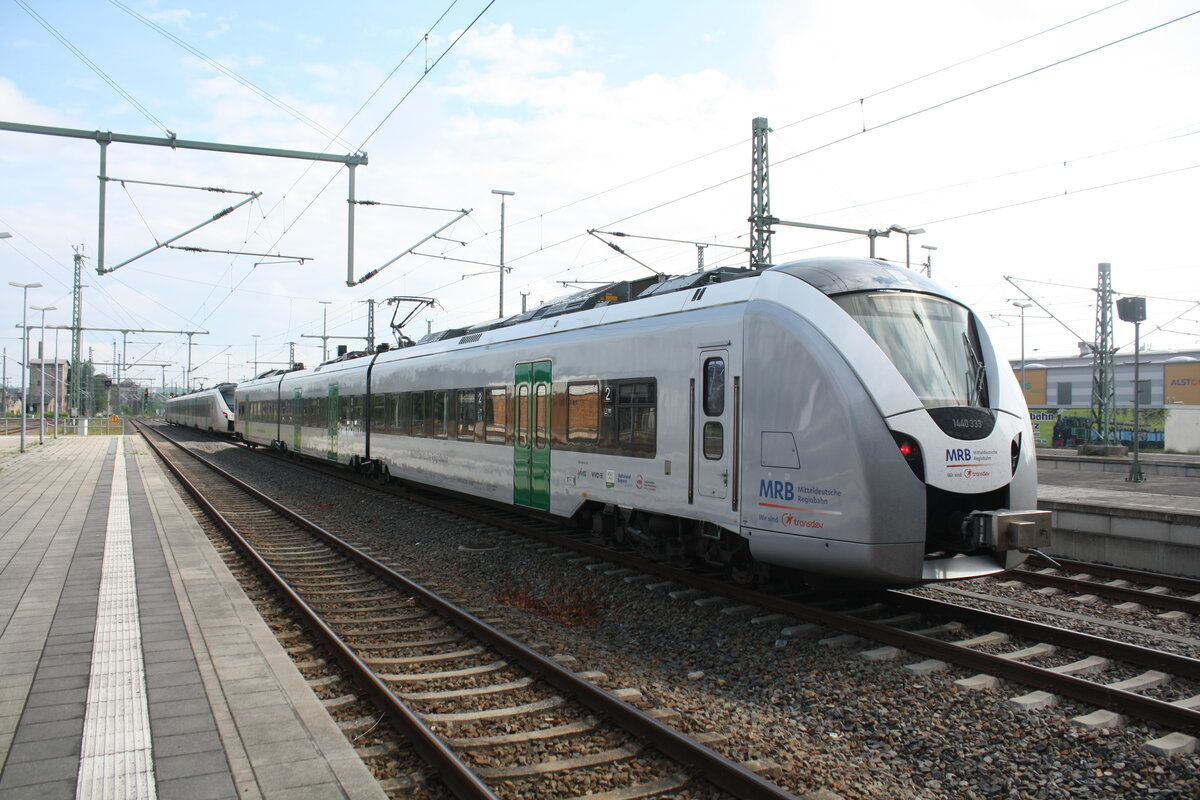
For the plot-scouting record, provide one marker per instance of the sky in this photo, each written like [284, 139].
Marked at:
[1030, 140]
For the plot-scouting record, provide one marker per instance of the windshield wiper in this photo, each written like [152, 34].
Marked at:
[975, 375]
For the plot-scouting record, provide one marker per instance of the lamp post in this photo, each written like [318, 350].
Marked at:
[42, 382]
[1022, 306]
[1133, 309]
[57, 382]
[908, 232]
[929, 259]
[503, 194]
[24, 287]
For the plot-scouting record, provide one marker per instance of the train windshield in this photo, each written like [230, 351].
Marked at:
[930, 340]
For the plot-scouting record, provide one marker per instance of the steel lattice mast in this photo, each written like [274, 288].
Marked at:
[1103, 387]
[760, 198]
[76, 327]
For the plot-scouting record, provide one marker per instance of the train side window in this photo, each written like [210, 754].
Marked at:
[496, 415]
[714, 441]
[637, 414]
[467, 411]
[523, 415]
[380, 418]
[583, 412]
[403, 403]
[714, 387]
[437, 414]
[541, 416]
[417, 405]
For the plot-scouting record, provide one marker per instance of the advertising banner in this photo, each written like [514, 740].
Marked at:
[1181, 384]
[1034, 386]
[1071, 427]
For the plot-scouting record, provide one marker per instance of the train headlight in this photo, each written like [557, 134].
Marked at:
[1015, 452]
[911, 451]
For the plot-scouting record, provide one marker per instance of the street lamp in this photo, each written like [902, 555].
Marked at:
[907, 233]
[1023, 306]
[503, 194]
[57, 382]
[24, 287]
[929, 259]
[42, 382]
[1133, 309]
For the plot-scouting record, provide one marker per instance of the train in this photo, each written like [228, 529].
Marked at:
[843, 419]
[213, 410]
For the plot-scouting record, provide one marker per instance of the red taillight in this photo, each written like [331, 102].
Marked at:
[910, 451]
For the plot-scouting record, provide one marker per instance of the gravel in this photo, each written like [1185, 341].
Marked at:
[829, 719]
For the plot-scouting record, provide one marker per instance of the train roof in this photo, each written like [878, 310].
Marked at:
[831, 276]
[223, 388]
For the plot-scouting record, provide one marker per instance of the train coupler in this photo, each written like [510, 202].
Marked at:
[1008, 530]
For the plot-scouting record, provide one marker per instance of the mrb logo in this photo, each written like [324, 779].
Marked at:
[777, 490]
[959, 455]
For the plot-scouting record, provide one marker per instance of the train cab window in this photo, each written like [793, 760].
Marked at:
[496, 415]
[437, 414]
[637, 414]
[468, 407]
[714, 387]
[541, 435]
[416, 402]
[714, 441]
[583, 412]
[523, 415]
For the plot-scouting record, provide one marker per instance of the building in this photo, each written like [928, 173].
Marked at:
[56, 374]
[1059, 394]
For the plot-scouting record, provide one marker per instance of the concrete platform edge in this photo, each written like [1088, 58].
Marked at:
[353, 776]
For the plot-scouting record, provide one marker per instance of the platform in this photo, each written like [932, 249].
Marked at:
[1100, 515]
[131, 663]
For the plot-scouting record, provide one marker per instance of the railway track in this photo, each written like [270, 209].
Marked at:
[1121, 584]
[491, 716]
[1051, 660]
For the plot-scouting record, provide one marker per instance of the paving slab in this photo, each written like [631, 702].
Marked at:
[69, 507]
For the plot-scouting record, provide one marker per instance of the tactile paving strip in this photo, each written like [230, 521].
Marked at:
[116, 758]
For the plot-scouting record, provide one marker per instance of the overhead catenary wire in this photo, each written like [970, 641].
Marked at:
[315, 197]
[263, 93]
[94, 67]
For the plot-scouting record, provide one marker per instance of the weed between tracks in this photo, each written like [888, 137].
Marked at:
[569, 605]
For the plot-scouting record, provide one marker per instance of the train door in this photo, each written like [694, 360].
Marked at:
[713, 430]
[531, 444]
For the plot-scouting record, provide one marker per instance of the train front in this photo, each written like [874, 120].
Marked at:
[928, 470]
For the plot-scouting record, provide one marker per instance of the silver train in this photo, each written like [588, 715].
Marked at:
[839, 417]
[213, 410]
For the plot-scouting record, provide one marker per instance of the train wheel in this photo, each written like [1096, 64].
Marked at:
[383, 474]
